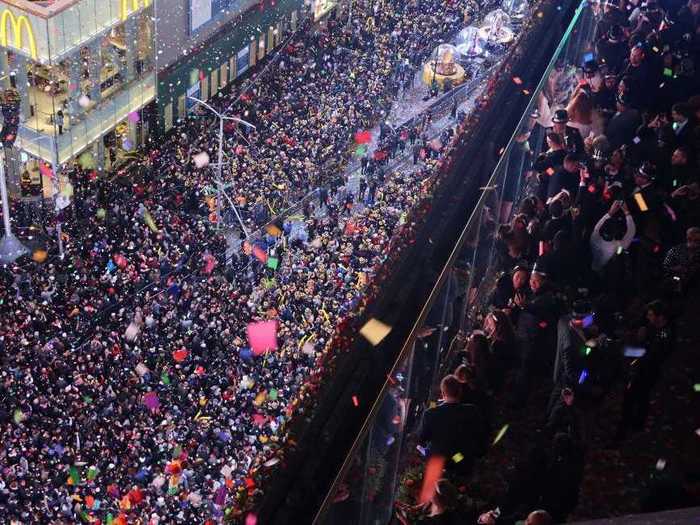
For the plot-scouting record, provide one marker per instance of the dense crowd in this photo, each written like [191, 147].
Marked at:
[593, 269]
[129, 390]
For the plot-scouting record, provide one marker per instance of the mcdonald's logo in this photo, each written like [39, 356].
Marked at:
[17, 23]
[124, 7]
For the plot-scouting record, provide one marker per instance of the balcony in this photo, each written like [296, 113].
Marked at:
[78, 134]
[46, 33]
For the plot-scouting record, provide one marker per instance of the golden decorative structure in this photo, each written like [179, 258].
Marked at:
[442, 67]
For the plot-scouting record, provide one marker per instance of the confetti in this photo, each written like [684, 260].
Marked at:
[375, 331]
[355, 401]
[433, 472]
[500, 434]
[458, 457]
[582, 378]
[518, 81]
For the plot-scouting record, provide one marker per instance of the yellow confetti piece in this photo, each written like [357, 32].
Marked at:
[458, 457]
[325, 315]
[375, 331]
[639, 199]
[500, 434]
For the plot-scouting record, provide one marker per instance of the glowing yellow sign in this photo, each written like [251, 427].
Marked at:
[16, 23]
[124, 7]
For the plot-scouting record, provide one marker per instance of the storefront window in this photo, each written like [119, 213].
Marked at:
[94, 80]
[242, 60]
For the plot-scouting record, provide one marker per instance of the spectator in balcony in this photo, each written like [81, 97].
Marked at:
[656, 338]
[452, 427]
[477, 357]
[514, 242]
[683, 260]
[612, 50]
[565, 178]
[440, 510]
[624, 123]
[473, 393]
[642, 77]
[504, 351]
[611, 234]
[536, 332]
[573, 142]
[612, 16]
[580, 108]
[512, 288]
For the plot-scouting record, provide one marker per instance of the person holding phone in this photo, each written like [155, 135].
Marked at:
[658, 338]
[613, 232]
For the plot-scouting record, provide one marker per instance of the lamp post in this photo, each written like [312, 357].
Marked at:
[10, 247]
[219, 165]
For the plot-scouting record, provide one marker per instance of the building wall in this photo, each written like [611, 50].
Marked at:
[222, 51]
[175, 18]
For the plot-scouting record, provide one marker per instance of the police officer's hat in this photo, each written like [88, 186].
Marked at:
[561, 116]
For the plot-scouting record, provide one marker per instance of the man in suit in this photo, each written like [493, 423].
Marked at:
[453, 429]
[623, 125]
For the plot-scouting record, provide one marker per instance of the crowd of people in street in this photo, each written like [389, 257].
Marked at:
[594, 267]
[129, 388]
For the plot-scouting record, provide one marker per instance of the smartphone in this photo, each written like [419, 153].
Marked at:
[634, 351]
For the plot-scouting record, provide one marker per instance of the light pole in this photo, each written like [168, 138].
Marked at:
[10, 247]
[219, 181]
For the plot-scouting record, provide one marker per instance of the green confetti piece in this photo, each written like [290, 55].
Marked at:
[74, 475]
[360, 151]
[18, 416]
[109, 519]
[272, 394]
[165, 378]
[92, 473]
[696, 387]
[273, 263]
[87, 399]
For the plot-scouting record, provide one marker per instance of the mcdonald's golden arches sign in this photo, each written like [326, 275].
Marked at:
[124, 10]
[12, 35]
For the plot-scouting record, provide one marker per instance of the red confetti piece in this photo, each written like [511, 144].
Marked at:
[433, 472]
[180, 355]
[355, 401]
[542, 324]
[518, 81]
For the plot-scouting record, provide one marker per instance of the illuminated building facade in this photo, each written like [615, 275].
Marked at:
[84, 71]
[203, 46]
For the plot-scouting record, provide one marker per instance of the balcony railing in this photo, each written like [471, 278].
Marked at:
[79, 134]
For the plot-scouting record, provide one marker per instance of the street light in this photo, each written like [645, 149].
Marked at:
[219, 165]
[10, 247]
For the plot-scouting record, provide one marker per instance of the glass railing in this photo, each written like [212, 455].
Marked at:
[384, 454]
[80, 133]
